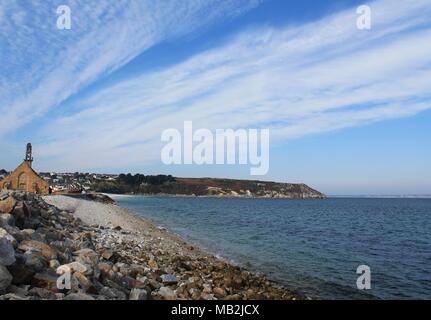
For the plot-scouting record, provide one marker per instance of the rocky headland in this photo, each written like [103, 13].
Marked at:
[107, 253]
[204, 187]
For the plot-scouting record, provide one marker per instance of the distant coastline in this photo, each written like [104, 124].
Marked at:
[425, 196]
[205, 187]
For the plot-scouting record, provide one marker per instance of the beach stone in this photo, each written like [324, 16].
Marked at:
[42, 293]
[237, 282]
[154, 284]
[195, 293]
[7, 252]
[73, 267]
[130, 283]
[252, 295]
[35, 262]
[54, 264]
[219, 293]
[138, 294]
[31, 223]
[19, 215]
[21, 273]
[47, 280]
[207, 296]
[227, 280]
[7, 219]
[81, 282]
[13, 297]
[169, 279]
[167, 293]
[4, 234]
[153, 264]
[107, 254]
[207, 288]
[136, 270]
[220, 265]
[5, 279]
[105, 268]
[28, 232]
[7, 205]
[33, 245]
[112, 293]
[21, 291]
[87, 256]
[78, 296]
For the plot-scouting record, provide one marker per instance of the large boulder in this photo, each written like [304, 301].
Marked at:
[6, 235]
[19, 215]
[46, 280]
[35, 262]
[72, 267]
[21, 273]
[31, 245]
[5, 279]
[6, 219]
[87, 256]
[7, 205]
[7, 252]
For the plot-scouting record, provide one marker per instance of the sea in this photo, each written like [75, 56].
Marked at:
[313, 247]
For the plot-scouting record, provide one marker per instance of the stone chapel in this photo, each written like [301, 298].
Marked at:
[24, 178]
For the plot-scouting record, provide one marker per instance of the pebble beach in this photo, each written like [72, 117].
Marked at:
[110, 254]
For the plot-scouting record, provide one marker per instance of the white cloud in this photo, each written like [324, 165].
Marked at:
[45, 66]
[296, 80]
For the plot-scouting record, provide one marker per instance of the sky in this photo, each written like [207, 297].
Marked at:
[349, 110]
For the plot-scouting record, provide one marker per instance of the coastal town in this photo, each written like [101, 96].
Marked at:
[76, 181]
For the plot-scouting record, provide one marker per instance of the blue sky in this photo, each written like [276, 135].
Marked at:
[348, 109]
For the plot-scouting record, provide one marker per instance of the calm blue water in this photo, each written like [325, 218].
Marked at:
[312, 246]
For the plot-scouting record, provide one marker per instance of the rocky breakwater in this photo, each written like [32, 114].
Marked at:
[40, 243]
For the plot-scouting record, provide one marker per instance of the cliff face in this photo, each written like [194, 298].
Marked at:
[205, 187]
[247, 188]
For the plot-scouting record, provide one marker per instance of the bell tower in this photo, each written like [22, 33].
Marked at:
[28, 155]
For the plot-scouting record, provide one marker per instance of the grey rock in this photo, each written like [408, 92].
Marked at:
[169, 279]
[6, 235]
[5, 279]
[167, 293]
[42, 293]
[7, 219]
[7, 252]
[21, 291]
[13, 296]
[35, 262]
[138, 294]
[78, 296]
[113, 293]
[20, 272]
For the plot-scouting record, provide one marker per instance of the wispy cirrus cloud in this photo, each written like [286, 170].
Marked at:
[301, 80]
[42, 66]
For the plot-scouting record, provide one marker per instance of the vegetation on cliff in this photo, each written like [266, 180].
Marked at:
[162, 184]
